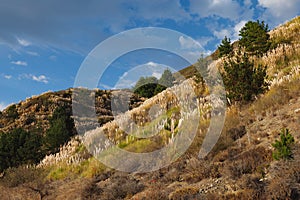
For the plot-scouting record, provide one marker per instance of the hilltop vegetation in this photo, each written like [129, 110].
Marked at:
[257, 155]
[150, 86]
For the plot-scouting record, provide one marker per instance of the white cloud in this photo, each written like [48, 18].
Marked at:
[237, 29]
[106, 87]
[21, 63]
[247, 2]
[108, 17]
[7, 76]
[40, 78]
[124, 75]
[280, 10]
[32, 53]
[129, 78]
[230, 32]
[124, 83]
[156, 75]
[152, 64]
[156, 10]
[224, 8]
[198, 54]
[220, 34]
[192, 48]
[205, 40]
[23, 42]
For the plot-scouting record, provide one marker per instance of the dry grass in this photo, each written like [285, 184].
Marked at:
[248, 162]
[230, 132]
[284, 178]
[275, 98]
[286, 52]
[185, 193]
[118, 186]
[14, 177]
[195, 170]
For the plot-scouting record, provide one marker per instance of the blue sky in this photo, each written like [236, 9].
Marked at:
[43, 43]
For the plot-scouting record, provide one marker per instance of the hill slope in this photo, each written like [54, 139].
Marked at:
[240, 166]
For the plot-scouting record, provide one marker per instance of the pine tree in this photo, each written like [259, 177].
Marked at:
[283, 146]
[166, 79]
[19, 147]
[225, 48]
[61, 129]
[139, 83]
[255, 38]
[242, 79]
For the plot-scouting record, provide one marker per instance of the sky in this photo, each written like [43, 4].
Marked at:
[43, 44]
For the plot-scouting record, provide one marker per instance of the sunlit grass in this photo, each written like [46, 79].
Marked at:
[88, 168]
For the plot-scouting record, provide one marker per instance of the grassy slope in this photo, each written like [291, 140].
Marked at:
[239, 167]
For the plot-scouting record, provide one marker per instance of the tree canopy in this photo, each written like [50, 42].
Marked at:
[255, 37]
[61, 129]
[150, 86]
[225, 48]
[167, 79]
[242, 79]
[19, 147]
[146, 86]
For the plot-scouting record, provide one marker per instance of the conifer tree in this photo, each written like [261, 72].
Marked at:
[225, 48]
[19, 147]
[283, 146]
[166, 79]
[242, 79]
[255, 38]
[61, 129]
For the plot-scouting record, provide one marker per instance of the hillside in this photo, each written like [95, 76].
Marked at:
[34, 112]
[240, 166]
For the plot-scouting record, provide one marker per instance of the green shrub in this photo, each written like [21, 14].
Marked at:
[283, 146]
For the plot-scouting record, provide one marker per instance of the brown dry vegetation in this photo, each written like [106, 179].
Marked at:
[240, 166]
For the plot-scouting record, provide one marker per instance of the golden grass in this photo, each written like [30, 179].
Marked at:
[276, 97]
[88, 168]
